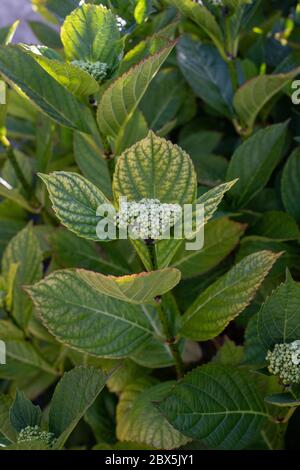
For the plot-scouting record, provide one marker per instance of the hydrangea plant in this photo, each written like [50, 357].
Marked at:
[149, 341]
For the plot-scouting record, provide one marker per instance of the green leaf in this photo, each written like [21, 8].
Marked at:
[23, 361]
[166, 249]
[84, 319]
[73, 396]
[155, 168]
[46, 35]
[23, 249]
[21, 69]
[75, 201]
[121, 99]
[74, 79]
[282, 400]
[278, 320]
[221, 237]
[227, 297]
[164, 99]
[91, 33]
[207, 73]
[8, 331]
[7, 33]
[250, 99]
[54, 9]
[29, 445]
[14, 195]
[135, 288]
[254, 162]
[218, 405]
[136, 129]
[89, 157]
[276, 225]
[23, 413]
[290, 190]
[5, 425]
[138, 419]
[203, 18]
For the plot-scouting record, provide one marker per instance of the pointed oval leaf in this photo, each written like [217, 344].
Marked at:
[226, 298]
[23, 413]
[91, 33]
[250, 99]
[122, 98]
[75, 201]
[20, 68]
[155, 168]
[73, 396]
[254, 162]
[218, 405]
[84, 319]
[138, 419]
[135, 288]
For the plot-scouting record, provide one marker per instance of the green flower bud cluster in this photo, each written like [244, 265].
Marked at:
[34, 433]
[98, 70]
[147, 219]
[284, 361]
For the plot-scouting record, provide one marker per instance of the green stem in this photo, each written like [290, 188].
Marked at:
[170, 338]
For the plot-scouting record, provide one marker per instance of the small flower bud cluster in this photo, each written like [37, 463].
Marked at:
[148, 219]
[213, 2]
[33, 433]
[284, 361]
[98, 70]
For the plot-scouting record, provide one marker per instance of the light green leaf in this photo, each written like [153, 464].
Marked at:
[23, 413]
[7, 33]
[73, 396]
[290, 189]
[77, 81]
[8, 331]
[227, 297]
[278, 320]
[166, 249]
[89, 157]
[21, 69]
[24, 250]
[135, 288]
[139, 420]
[155, 168]
[75, 201]
[84, 319]
[141, 10]
[250, 99]
[221, 237]
[218, 405]
[136, 129]
[254, 162]
[122, 98]
[203, 18]
[91, 33]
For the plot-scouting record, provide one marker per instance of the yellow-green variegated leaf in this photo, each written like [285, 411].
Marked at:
[77, 81]
[84, 319]
[121, 99]
[155, 168]
[91, 33]
[226, 298]
[250, 99]
[204, 19]
[135, 288]
[75, 201]
[22, 70]
[139, 420]
[166, 249]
